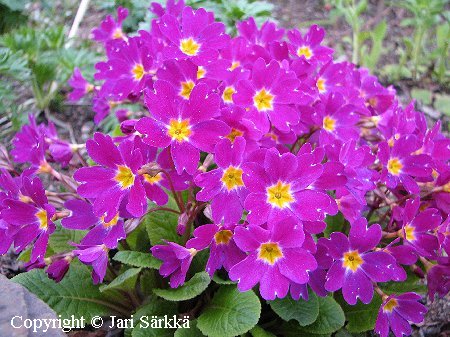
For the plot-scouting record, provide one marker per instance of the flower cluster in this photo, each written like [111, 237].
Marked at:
[268, 137]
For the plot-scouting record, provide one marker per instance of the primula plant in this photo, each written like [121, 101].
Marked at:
[256, 187]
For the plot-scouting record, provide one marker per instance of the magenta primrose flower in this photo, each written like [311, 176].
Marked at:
[194, 36]
[182, 74]
[174, 7]
[223, 251]
[418, 228]
[396, 313]
[5, 240]
[355, 266]
[128, 69]
[400, 165]
[186, 127]
[82, 217]
[330, 78]
[336, 120]
[269, 96]
[59, 268]
[308, 46]
[116, 179]
[30, 218]
[275, 258]
[79, 85]
[268, 32]
[282, 187]
[111, 29]
[438, 278]
[176, 261]
[32, 142]
[95, 255]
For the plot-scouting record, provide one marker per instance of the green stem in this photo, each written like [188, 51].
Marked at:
[180, 204]
[417, 46]
[355, 54]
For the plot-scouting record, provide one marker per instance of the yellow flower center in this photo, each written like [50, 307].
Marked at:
[223, 237]
[391, 141]
[111, 223]
[279, 195]
[390, 305]
[394, 166]
[446, 187]
[304, 51]
[320, 84]
[270, 252]
[234, 133]
[25, 199]
[179, 130]
[232, 178]
[124, 176]
[272, 136]
[152, 180]
[189, 46]
[41, 215]
[138, 71]
[329, 123]
[372, 101]
[375, 120]
[118, 34]
[409, 233]
[201, 71]
[234, 65]
[352, 260]
[227, 95]
[186, 89]
[263, 100]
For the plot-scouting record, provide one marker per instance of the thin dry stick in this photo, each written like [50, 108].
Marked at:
[76, 22]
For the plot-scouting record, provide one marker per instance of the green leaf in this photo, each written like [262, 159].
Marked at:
[216, 278]
[143, 318]
[162, 225]
[345, 333]
[15, 5]
[413, 283]
[199, 261]
[230, 313]
[137, 259]
[422, 95]
[304, 312]
[331, 317]
[148, 281]
[293, 329]
[25, 255]
[192, 288]
[126, 280]
[193, 331]
[257, 331]
[74, 295]
[361, 317]
[334, 224]
[138, 239]
[442, 104]
[60, 240]
[13, 64]
[371, 59]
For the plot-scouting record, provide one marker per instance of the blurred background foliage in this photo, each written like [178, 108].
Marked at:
[36, 59]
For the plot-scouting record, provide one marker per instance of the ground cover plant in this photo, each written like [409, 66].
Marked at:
[255, 185]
